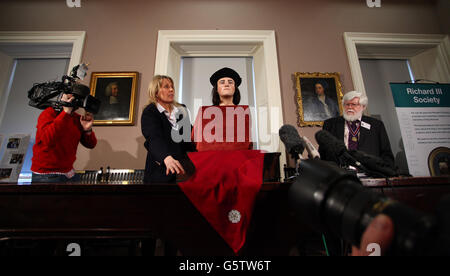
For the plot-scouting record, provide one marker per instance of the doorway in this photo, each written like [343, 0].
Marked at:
[174, 45]
[19, 117]
[377, 74]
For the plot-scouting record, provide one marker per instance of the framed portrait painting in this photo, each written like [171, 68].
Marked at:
[117, 93]
[319, 97]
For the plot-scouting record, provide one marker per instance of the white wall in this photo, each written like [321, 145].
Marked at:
[426, 64]
[377, 75]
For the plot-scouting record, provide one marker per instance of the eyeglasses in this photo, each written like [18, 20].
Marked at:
[351, 105]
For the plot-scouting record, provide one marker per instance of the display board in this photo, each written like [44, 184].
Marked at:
[13, 157]
[423, 111]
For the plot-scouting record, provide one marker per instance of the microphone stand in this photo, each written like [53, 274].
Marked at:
[296, 156]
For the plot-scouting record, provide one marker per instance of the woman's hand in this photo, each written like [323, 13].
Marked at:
[87, 121]
[68, 98]
[173, 166]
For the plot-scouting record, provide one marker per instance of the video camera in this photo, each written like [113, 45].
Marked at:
[331, 200]
[48, 94]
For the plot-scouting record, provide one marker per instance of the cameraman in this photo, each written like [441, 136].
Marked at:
[57, 138]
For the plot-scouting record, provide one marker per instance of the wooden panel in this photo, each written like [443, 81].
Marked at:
[422, 193]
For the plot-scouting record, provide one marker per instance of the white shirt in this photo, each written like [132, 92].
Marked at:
[347, 132]
[113, 100]
[327, 110]
[170, 116]
[69, 174]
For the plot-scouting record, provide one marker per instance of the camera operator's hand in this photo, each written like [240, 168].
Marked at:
[68, 98]
[173, 166]
[380, 231]
[87, 121]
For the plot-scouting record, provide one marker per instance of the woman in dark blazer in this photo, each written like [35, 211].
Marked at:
[164, 124]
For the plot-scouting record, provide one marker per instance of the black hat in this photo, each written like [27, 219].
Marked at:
[225, 73]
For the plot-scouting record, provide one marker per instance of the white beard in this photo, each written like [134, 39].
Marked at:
[352, 118]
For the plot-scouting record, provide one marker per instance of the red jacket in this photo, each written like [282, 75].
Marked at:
[57, 139]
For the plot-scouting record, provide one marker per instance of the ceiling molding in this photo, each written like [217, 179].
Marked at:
[74, 38]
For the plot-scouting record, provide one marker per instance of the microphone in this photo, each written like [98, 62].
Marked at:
[374, 163]
[335, 147]
[290, 138]
[312, 151]
[357, 159]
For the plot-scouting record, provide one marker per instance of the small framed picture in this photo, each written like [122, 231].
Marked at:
[16, 159]
[13, 143]
[117, 93]
[5, 173]
[319, 97]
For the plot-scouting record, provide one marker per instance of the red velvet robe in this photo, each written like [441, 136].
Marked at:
[224, 188]
[228, 175]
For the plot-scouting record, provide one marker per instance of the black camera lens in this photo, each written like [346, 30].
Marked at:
[91, 104]
[333, 201]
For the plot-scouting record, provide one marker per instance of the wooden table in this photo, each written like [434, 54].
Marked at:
[422, 193]
[76, 211]
[106, 211]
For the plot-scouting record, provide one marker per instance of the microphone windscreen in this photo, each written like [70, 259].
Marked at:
[329, 143]
[374, 163]
[291, 139]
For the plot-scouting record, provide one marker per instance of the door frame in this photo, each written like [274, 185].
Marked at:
[29, 39]
[395, 46]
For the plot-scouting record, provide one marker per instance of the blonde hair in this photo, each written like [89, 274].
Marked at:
[154, 87]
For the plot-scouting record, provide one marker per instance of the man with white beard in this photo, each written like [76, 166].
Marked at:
[359, 132]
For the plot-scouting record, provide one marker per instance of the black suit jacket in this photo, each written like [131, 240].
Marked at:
[157, 131]
[374, 141]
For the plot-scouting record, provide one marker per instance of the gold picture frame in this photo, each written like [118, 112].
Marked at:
[117, 93]
[312, 109]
